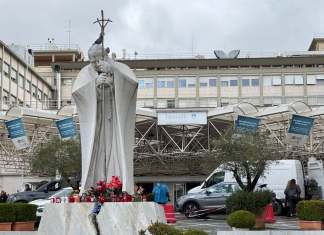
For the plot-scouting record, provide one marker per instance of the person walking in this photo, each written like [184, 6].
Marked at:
[161, 193]
[292, 193]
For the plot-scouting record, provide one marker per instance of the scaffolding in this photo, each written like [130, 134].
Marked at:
[181, 149]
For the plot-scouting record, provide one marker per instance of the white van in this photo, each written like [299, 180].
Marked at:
[276, 177]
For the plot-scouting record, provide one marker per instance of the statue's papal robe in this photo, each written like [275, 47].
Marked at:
[107, 132]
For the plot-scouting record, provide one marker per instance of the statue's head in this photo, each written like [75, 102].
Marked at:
[95, 54]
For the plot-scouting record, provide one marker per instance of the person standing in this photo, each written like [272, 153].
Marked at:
[292, 193]
[161, 193]
[3, 196]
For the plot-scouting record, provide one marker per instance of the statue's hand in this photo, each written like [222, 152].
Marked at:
[104, 79]
[105, 66]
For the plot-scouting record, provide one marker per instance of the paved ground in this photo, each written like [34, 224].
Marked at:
[218, 223]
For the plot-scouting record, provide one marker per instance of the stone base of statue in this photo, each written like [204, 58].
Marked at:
[114, 218]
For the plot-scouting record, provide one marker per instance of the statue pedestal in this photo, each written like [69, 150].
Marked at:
[114, 218]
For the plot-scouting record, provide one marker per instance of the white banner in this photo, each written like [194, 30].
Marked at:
[182, 118]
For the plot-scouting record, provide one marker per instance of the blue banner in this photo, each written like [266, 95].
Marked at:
[66, 127]
[300, 125]
[248, 124]
[17, 133]
[15, 128]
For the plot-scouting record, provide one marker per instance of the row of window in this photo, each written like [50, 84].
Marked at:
[213, 102]
[246, 81]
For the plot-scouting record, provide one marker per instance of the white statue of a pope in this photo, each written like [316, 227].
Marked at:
[105, 95]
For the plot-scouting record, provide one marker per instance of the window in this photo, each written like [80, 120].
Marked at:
[289, 79]
[255, 82]
[13, 75]
[6, 68]
[182, 83]
[311, 80]
[299, 80]
[191, 82]
[28, 84]
[34, 90]
[219, 188]
[149, 84]
[170, 104]
[161, 84]
[141, 84]
[203, 82]
[267, 80]
[245, 82]
[21, 81]
[224, 83]
[215, 179]
[39, 94]
[233, 82]
[212, 82]
[170, 84]
[276, 81]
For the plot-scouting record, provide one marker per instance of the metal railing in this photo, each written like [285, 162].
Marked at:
[55, 47]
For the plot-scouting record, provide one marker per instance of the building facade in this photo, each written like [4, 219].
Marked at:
[207, 83]
[20, 84]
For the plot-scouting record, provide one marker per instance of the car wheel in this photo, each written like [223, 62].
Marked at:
[191, 209]
[277, 207]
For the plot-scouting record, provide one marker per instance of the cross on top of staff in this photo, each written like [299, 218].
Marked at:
[102, 22]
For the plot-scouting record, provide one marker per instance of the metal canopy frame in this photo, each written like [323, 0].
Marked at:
[169, 145]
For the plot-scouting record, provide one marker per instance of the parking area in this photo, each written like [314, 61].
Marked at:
[215, 223]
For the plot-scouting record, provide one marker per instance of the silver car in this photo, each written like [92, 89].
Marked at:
[209, 200]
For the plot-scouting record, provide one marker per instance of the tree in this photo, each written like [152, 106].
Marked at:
[59, 155]
[246, 155]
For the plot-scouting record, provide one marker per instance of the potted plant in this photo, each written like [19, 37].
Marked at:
[7, 216]
[254, 202]
[311, 214]
[25, 217]
[241, 220]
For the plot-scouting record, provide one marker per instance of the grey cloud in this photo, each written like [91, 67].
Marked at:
[166, 26]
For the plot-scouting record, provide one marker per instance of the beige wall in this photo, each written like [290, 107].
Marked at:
[12, 82]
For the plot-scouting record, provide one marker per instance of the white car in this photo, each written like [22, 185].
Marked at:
[40, 203]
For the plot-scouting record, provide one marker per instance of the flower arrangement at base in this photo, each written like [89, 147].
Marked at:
[107, 192]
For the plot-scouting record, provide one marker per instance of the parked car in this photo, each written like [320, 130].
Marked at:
[213, 199]
[208, 200]
[42, 192]
[40, 203]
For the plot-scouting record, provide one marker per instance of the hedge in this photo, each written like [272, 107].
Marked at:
[312, 210]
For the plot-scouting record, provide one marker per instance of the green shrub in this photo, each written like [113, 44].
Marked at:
[163, 229]
[241, 219]
[312, 210]
[194, 232]
[249, 201]
[7, 213]
[24, 212]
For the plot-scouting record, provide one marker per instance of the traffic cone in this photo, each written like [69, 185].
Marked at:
[269, 215]
[169, 213]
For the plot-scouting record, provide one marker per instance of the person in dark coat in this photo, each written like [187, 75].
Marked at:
[292, 193]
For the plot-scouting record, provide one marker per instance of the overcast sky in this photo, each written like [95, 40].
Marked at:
[167, 26]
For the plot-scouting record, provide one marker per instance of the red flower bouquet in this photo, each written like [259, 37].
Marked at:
[107, 192]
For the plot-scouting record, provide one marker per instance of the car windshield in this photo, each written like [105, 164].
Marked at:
[62, 193]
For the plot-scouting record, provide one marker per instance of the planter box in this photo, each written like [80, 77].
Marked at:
[5, 226]
[240, 229]
[259, 223]
[23, 226]
[310, 225]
